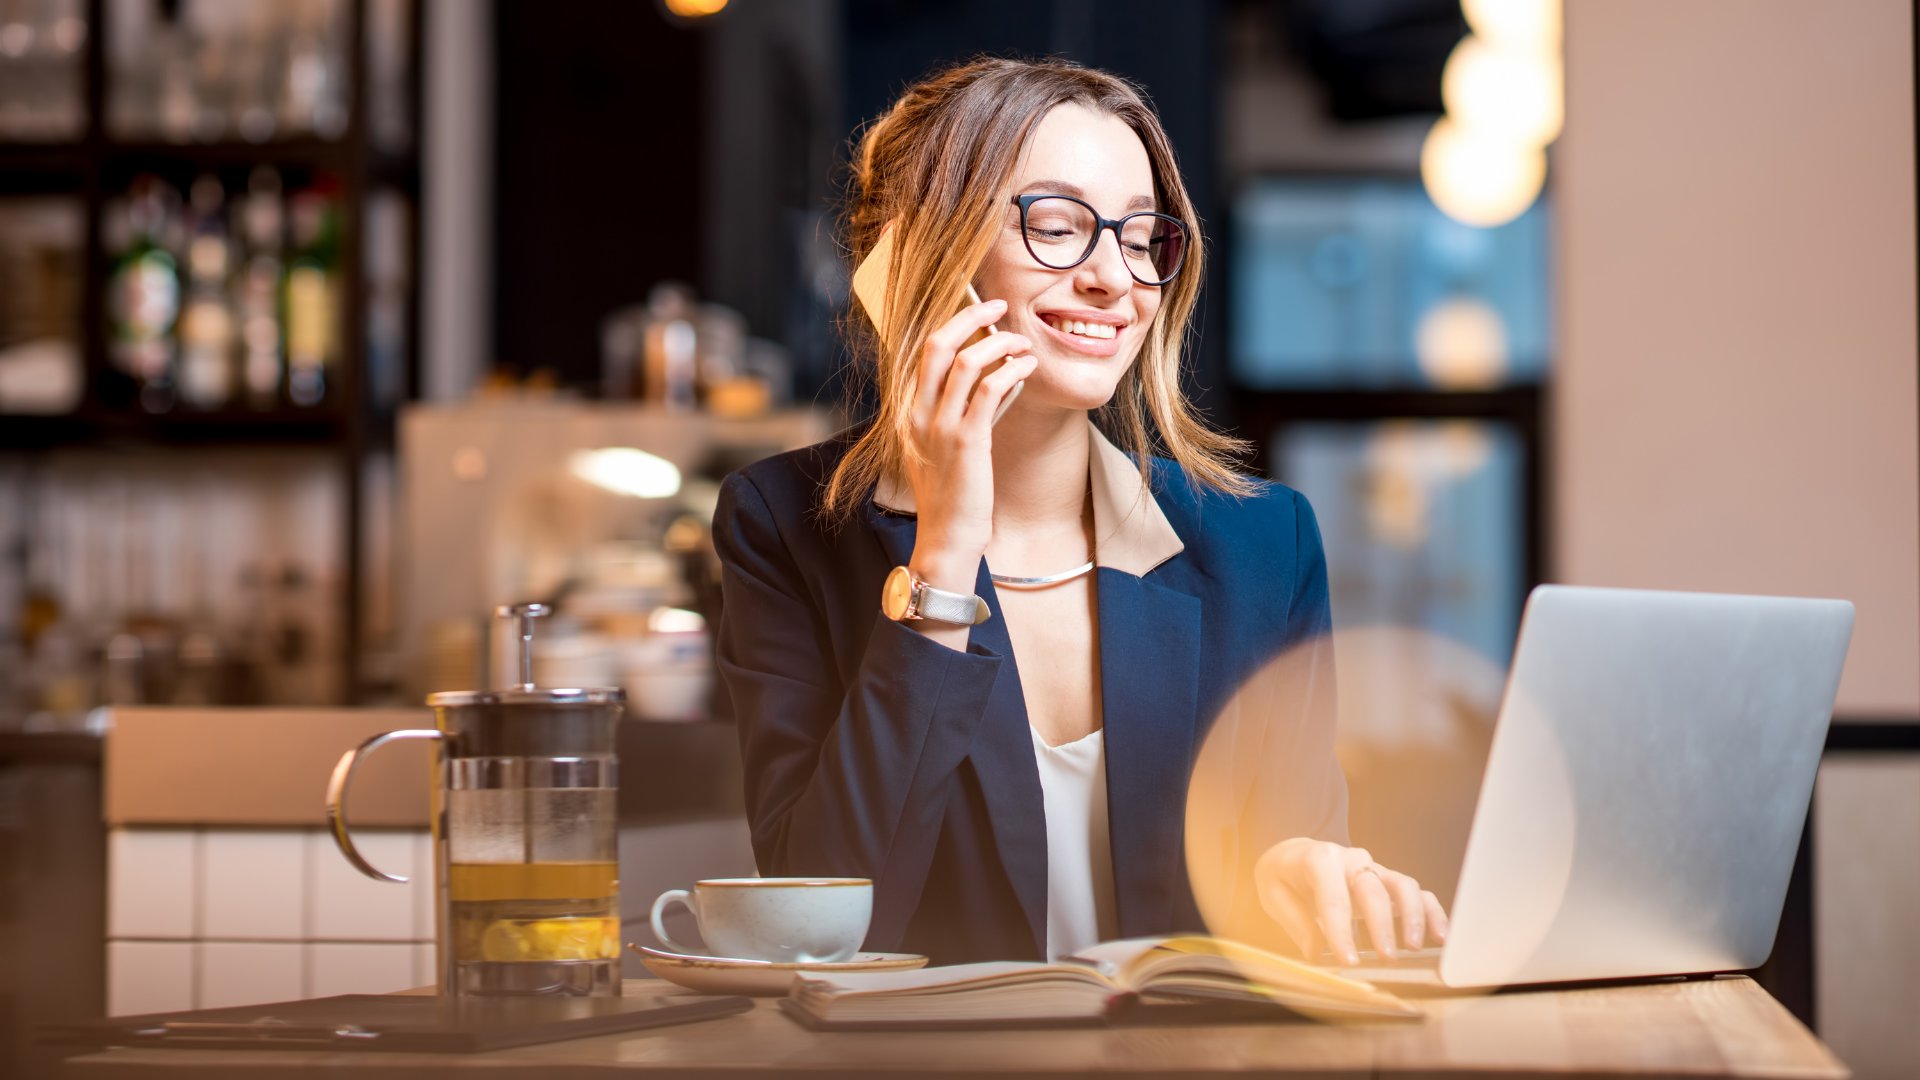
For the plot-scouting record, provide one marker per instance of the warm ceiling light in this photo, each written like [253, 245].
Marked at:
[1479, 179]
[694, 9]
[1461, 344]
[1514, 94]
[624, 470]
[1531, 25]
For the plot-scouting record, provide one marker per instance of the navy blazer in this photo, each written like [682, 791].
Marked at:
[873, 751]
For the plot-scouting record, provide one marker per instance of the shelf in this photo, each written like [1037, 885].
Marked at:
[100, 428]
[120, 161]
[41, 168]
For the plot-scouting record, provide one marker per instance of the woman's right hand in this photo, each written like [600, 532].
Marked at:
[953, 483]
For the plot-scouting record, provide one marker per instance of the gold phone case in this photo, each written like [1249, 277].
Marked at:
[870, 288]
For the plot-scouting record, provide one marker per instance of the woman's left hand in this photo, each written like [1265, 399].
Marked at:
[1313, 889]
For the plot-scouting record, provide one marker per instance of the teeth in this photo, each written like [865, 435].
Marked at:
[1084, 329]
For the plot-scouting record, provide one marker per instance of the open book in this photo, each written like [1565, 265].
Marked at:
[1119, 978]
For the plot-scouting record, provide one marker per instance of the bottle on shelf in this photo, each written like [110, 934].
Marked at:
[257, 286]
[207, 353]
[144, 292]
[312, 295]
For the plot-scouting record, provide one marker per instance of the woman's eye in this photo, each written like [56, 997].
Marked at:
[1139, 251]
[1040, 233]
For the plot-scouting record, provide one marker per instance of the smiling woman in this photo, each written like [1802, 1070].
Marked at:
[972, 660]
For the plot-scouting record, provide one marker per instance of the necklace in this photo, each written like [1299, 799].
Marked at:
[1046, 579]
[1086, 515]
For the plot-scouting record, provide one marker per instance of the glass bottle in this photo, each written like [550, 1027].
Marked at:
[207, 322]
[144, 293]
[258, 287]
[312, 288]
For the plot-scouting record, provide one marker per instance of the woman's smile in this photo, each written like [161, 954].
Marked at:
[1088, 335]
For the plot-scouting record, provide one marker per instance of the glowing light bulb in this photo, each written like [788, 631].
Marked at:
[694, 9]
[1480, 179]
[1501, 91]
[1521, 24]
[1461, 344]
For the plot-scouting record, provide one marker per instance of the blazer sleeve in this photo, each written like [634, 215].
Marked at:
[1266, 771]
[843, 777]
[1310, 630]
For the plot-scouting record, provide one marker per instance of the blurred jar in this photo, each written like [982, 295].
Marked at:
[668, 672]
[568, 655]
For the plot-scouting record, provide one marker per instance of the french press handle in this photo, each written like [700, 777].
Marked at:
[337, 796]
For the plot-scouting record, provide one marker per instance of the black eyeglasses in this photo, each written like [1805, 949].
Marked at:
[1061, 232]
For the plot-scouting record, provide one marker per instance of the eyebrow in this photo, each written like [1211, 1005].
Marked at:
[1138, 202]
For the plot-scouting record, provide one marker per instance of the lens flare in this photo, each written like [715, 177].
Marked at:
[1415, 724]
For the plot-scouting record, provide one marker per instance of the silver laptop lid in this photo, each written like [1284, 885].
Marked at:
[1647, 785]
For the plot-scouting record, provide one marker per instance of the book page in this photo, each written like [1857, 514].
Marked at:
[952, 978]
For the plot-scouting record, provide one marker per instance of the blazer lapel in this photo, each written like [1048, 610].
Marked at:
[1002, 751]
[1149, 686]
[1009, 776]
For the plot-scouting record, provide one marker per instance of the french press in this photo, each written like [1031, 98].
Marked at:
[525, 834]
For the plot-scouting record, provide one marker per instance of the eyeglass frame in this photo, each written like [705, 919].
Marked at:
[1101, 224]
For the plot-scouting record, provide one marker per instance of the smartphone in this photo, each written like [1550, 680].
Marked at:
[870, 288]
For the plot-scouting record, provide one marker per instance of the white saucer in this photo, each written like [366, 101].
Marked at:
[761, 978]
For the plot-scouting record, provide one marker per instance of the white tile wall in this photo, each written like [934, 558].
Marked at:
[149, 976]
[250, 972]
[151, 878]
[346, 905]
[206, 917]
[424, 971]
[423, 886]
[335, 968]
[253, 884]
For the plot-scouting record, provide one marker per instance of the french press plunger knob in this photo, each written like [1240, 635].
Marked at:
[523, 615]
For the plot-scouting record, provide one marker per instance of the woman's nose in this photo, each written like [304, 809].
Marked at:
[1106, 269]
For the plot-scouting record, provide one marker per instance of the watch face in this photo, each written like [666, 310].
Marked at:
[897, 596]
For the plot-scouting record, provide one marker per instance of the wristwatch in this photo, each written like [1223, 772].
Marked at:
[905, 597]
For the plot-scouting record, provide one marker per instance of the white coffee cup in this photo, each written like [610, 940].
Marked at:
[785, 920]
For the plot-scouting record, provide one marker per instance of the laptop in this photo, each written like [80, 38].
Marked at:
[1645, 791]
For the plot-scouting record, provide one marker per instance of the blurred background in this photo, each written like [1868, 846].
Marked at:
[327, 325]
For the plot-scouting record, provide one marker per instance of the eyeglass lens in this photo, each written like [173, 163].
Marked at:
[1062, 232]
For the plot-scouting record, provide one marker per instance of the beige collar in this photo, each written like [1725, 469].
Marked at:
[1131, 532]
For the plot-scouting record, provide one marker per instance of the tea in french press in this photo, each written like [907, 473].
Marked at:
[525, 829]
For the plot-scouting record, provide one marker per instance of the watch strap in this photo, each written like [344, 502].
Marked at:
[939, 605]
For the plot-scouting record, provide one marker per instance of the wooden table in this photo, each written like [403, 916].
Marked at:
[1714, 1027]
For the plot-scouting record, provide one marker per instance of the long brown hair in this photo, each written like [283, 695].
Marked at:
[938, 165]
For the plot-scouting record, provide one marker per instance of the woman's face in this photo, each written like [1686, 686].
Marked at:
[1097, 158]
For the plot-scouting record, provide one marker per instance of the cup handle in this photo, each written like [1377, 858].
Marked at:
[672, 896]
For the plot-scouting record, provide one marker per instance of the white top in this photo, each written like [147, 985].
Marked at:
[1073, 782]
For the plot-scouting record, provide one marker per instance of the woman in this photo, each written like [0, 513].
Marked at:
[1003, 740]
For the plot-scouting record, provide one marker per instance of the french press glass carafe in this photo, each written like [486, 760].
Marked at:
[525, 830]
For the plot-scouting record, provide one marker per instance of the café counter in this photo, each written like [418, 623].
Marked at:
[224, 886]
[1721, 1027]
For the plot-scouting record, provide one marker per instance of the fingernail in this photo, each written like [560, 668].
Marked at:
[996, 303]
[1351, 958]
